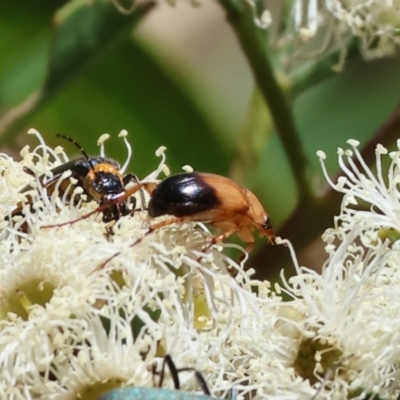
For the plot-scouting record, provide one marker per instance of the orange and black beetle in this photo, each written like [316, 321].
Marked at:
[208, 198]
[200, 197]
[99, 177]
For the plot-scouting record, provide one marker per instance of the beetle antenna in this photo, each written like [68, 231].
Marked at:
[81, 149]
[73, 141]
[175, 372]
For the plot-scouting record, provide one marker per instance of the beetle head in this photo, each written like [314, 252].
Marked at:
[104, 182]
[267, 230]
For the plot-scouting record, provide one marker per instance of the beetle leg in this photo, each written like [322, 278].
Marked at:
[96, 210]
[132, 177]
[129, 177]
[246, 235]
[220, 238]
[223, 236]
[148, 186]
[28, 171]
[174, 374]
[151, 229]
[159, 225]
[132, 190]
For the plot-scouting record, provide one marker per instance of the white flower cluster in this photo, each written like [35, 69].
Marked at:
[352, 308]
[315, 27]
[83, 311]
[308, 29]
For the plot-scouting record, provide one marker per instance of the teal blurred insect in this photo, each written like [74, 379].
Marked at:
[143, 393]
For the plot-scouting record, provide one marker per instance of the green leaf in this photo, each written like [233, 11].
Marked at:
[130, 90]
[82, 32]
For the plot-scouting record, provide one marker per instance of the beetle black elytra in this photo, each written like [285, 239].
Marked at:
[99, 177]
[208, 198]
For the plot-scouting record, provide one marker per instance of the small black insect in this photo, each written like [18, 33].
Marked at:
[99, 177]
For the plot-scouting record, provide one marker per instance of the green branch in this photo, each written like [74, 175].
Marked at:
[253, 41]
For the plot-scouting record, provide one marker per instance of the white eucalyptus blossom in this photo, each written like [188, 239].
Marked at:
[313, 28]
[350, 342]
[83, 311]
[309, 29]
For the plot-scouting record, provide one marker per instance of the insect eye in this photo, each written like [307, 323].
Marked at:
[267, 224]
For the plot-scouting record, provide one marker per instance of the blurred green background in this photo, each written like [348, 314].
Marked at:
[173, 76]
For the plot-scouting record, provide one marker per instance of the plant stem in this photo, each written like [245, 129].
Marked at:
[253, 41]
